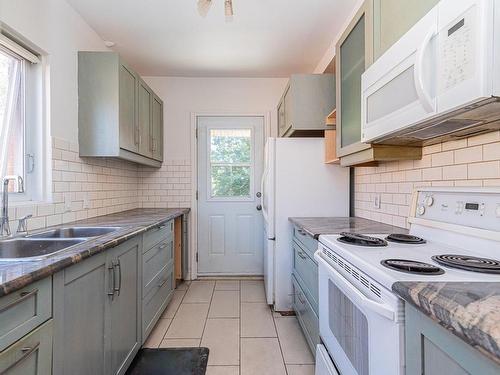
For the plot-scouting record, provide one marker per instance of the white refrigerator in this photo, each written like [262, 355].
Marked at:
[295, 182]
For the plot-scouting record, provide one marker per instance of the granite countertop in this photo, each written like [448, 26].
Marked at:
[316, 226]
[15, 275]
[469, 310]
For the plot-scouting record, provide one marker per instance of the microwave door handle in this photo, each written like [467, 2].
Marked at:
[417, 74]
[350, 289]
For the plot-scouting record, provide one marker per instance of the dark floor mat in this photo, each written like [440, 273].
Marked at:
[181, 361]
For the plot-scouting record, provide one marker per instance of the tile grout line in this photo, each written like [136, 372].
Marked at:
[279, 343]
[206, 317]
[175, 314]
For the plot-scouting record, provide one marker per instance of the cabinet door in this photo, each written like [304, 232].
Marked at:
[145, 97]
[157, 128]
[287, 102]
[123, 309]
[281, 118]
[354, 54]
[431, 350]
[80, 301]
[31, 355]
[393, 18]
[128, 104]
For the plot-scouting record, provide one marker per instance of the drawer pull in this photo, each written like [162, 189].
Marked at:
[301, 254]
[162, 246]
[300, 299]
[162, 226]
[26, 353]
[22, 297]
[302, 232]
[162, 283]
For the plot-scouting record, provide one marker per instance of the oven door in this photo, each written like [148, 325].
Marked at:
[362, 335]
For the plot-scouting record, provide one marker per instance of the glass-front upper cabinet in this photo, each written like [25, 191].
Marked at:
[354, 53]
[393, 18]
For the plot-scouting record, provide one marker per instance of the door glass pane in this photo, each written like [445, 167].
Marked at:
[352, 65]
[230, 166]
[349, 326]
[230, 145]
[230, 181]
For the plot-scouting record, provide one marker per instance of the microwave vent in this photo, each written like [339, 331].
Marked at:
[449, 126]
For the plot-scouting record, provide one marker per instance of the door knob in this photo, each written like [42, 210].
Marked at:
[259, 194]
[259, 207]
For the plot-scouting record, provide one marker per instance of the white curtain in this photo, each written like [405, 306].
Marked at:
[10, 86]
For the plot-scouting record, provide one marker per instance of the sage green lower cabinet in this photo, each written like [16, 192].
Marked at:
[96, 316]
[433, 350]
[305, 286]
[31, 355]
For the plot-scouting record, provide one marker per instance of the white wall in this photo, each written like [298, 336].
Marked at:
[182, 96]
[57, 29]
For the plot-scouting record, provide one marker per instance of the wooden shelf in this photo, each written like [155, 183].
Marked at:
[331, 119]
[331, 147]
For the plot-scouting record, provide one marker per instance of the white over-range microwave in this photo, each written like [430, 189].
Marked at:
[440, 81]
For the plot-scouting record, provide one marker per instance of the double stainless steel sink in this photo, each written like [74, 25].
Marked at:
[44, 244]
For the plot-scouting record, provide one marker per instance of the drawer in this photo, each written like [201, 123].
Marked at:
[24, 310]
[308, 243]
[306, 272]
[154, 260]
[32, 355]
[158, 234]
[155, 301]
[306, 316]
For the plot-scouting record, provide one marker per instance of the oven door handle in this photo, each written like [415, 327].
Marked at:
[351, 291]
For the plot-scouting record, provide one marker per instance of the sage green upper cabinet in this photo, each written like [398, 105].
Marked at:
[307, 100]
[354, 54]
[157, 128]
[127, 99]
[115, 110]
[144, 109]
[393, 18]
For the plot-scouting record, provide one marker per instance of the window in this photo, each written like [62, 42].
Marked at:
[21, 135]
[230, 163]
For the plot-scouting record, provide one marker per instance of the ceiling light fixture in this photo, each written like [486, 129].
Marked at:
[204, 8]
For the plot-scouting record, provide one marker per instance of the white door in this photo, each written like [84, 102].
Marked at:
[230, 225]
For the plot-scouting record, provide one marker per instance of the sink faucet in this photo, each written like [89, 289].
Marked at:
[4, 219]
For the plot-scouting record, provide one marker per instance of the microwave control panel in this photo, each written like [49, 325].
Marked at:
[457, 50]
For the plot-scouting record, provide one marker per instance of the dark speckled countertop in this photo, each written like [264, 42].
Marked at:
[469, 310]
[15, 275]
[316, 226]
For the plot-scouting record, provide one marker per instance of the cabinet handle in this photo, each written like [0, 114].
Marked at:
[111, 270]
[136, 135]
[301, 254]
[26, 353]
[301, 231]
[162, 283]
[119, 266]
[22, 297]
[163, 246]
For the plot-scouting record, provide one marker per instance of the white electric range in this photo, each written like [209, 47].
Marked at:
[454, 236]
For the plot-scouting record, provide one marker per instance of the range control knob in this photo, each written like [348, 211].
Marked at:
[420, 209]
[429, 200]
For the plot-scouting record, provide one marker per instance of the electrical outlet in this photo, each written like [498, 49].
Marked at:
[376, 201]
[86, 201]
[67, 202]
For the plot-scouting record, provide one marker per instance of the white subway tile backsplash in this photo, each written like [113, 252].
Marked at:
[466, 162]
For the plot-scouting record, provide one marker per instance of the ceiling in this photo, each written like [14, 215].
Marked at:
[266, 38]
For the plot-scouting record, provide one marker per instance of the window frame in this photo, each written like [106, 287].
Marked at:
[36, 153]
[250, 164]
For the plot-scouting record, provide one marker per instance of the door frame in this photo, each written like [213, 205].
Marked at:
[193, 225]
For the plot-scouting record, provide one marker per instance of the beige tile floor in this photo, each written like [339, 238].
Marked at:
[232, 319]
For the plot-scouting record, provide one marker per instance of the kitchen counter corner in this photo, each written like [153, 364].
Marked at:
[469, 310]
